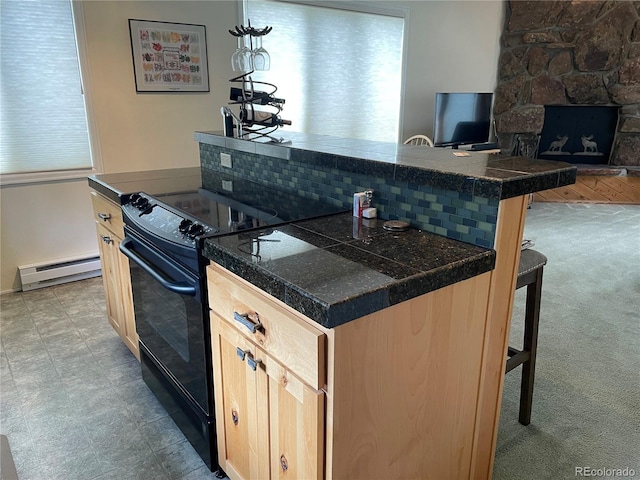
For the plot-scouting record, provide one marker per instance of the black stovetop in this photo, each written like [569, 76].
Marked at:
[177, 222]
[228, 204]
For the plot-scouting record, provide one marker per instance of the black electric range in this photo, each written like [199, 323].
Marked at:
[164, 236]
[180, 221]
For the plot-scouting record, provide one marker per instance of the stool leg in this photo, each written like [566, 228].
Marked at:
[532, 317]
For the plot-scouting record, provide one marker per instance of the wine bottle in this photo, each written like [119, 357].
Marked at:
[252, 117]
[258, 98]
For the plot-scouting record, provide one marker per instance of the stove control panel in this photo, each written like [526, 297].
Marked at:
[161, 220]
[139, 202]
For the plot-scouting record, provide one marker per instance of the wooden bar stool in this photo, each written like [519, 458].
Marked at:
[530, 274]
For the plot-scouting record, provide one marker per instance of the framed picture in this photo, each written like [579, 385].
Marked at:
[169, 57]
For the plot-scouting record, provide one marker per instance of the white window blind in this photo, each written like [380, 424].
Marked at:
[339, 70]
[43, 121]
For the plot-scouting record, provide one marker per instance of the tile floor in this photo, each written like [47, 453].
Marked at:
[72, 401]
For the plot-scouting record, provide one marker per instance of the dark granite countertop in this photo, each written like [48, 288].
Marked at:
[479, 173]
[117, 186]
[339, 268]
[332, 269]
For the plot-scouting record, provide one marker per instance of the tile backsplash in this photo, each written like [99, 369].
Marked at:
[461, 216]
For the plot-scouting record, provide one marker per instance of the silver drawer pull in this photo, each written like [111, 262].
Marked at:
[241, 353]
[253, 363]
[106, 239]
[244, 319]
[104, 216]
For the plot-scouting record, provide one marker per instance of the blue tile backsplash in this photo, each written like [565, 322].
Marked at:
[461, 216]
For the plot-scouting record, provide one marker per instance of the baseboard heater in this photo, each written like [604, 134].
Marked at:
[60, 271]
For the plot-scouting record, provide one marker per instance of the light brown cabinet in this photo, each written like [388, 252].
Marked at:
[115, 270]
[393, 394]
[269, 401]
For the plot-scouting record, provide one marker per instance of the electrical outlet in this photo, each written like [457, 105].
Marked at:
[225, 160]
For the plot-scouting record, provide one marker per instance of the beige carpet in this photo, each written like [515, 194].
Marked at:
[586, 404]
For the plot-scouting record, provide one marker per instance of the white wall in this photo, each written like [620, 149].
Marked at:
[141, 131]
[44, 222]
[453, 46]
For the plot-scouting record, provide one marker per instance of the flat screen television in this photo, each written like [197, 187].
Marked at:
[462, 118]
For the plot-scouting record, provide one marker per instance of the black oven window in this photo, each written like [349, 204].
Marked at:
[163, 311]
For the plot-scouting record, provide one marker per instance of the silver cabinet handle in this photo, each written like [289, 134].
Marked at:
[242, 353]
[246, 354]
[106, 239]
[244, 319]
[104, 216]
[253, 362]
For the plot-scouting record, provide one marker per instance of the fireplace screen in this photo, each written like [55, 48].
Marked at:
[578, 134]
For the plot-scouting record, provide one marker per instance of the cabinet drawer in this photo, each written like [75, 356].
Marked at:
[107, 213]
[283, 333]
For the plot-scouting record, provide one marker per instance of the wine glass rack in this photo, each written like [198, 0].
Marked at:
[252, 122]
[241, 31]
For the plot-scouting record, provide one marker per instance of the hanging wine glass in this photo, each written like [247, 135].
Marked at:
[260, 56]
[241, 60]
[235, 62]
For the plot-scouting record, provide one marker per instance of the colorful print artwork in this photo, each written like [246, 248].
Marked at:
[169, 57]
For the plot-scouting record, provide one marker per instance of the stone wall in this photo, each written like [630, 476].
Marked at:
[570, 53]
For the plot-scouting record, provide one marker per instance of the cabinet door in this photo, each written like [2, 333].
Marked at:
[128, 318]
[117, 286]
[270, 424]
[109, 254]
[244, 441]
[296, 427]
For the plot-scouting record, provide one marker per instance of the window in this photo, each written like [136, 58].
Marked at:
[338, 65]
[43, 120]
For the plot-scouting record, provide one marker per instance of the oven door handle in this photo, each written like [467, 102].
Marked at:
[179, 288]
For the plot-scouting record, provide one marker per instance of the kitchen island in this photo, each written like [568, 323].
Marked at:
[342, 350]
[390, 375]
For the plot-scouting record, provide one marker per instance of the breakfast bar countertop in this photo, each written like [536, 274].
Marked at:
[494, 176]
[338, 268]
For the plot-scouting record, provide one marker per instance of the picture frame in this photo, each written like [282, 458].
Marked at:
[169, 57]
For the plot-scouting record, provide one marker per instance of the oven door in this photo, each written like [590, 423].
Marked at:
[169, 311]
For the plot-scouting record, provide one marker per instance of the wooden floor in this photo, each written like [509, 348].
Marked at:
[595, 189]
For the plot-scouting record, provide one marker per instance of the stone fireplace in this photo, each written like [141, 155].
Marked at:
[563, 53]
